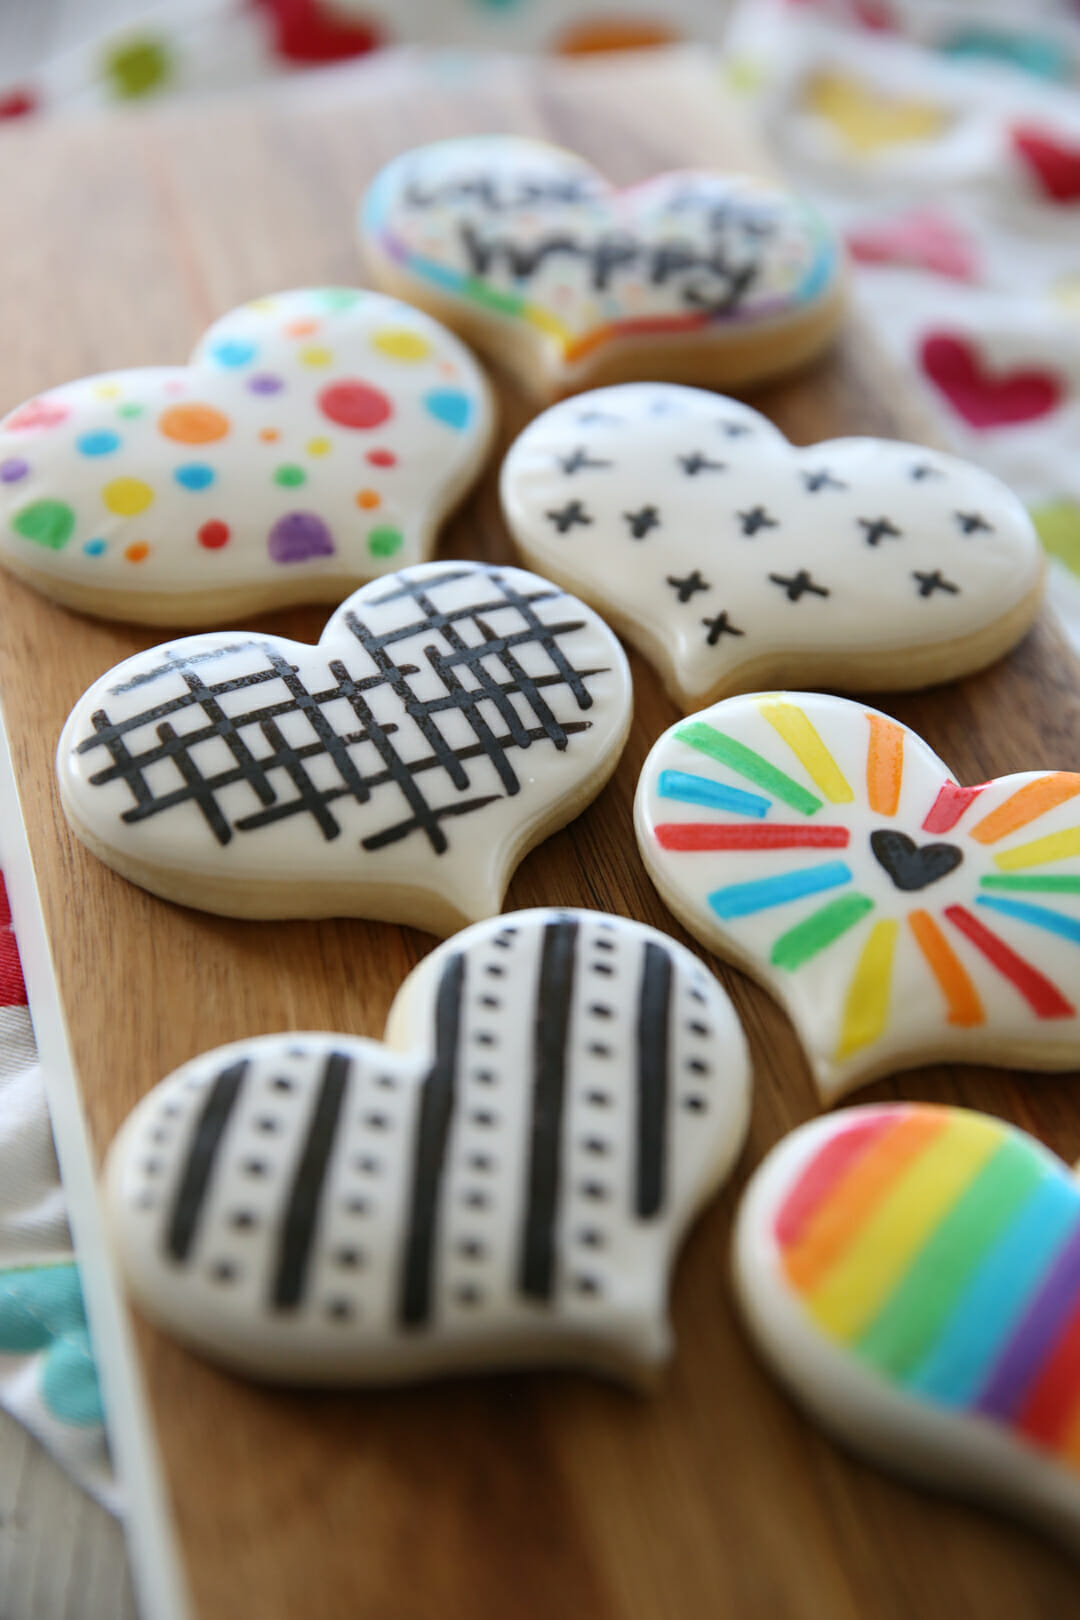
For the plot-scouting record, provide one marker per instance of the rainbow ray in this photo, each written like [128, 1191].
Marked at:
[1059, 846]
[961, 997]
[748, 763]
[818, 931]
[744, 899]
[1038, 916]
[884, 765]
[1026, 805]
[1042, 996]
[687, 788]
[1046, 883]
[866, 1006]
[802, 737]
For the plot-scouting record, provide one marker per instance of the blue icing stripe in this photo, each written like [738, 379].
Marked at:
[989, 1308]
[449, 406]
[743, 899]
[691, 789]
[1054, 922]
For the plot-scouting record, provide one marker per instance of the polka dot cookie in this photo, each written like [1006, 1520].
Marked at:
[316, 440]
[507, 1181]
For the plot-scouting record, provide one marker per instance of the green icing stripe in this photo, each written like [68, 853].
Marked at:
[1046, 884]
[818, 930]
[481, 293]
[908, 1324]
[737, 757]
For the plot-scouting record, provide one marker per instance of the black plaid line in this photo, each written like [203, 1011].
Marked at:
[290, 759]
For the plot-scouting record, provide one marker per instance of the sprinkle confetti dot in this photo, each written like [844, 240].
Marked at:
[299, 537]
[195, 475]
[402, 344]
[289, 477]
[355, 405]
[368, 500]
[382, 458]
[385, 541]
[101, 443]
[127, 497]
[193, 424]
[137, 552]
[13, 469]
[450, 406]
[264, 383]
[316, 356]
[214, 535]
[38, 413]
[234, 353]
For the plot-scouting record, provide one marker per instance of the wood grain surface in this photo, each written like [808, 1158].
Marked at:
[533, 1496]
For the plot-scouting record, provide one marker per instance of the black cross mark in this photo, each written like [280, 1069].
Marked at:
[822, 479]
[565, 519]
[720, 627]
[923, 470]
[335, 746]
[973, 522]
[757, 518]
[929, 583]
[878, 529]
[685, 588]
[642, 521]
[798, 586]
[696, 462]
[586, 418]
[735, 430]
[578, 460]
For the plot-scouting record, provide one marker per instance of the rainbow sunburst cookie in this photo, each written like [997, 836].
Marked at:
[316, 439]
[529, 253]
[912, 1273]
[898, 917]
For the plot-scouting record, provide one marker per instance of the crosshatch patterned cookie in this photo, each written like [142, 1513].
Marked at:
[913, 1275]
[733, 560]
[899, 918]
[506, 1181]
[451, 716]
[527, 251]
[316, 440]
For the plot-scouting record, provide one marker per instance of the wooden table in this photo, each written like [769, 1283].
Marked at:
[531, 1496]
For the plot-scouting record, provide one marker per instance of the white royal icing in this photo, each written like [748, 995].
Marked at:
[449, 715]
[509, 1185]
[317, 437]
[719, 547]
[912, 1273]
[897, 917]
[517, 231]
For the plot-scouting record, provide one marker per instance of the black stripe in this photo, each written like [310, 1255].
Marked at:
[536, 1275]
[654, 1014]
[302, 1210]
[200, 1160]
[432, 1134]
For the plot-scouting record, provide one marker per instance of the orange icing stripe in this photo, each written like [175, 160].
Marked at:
[884, 764]
[837, 1223]
[1025, 805]
[965, 1008]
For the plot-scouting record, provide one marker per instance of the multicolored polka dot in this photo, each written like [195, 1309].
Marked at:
[137, 552]
[13, 469]
[195, 475]
[381, 458]
[290, 476]
[338, 299]
[129, 412]
[299, 537]
[234, 352]
[95, 548]
[368, 499]
[269, 435]
[264, 382]
[46, 523]
[213, 535]
[108, 390]
[38, 413]
[316, 356]
[319, 447]
[193, 424]
[385, 541]
[127, 497]
[98, 443]
[355, 404]
[400, 343]
[301, 328]
[449, 406]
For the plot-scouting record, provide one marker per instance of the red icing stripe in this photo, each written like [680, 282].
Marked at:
[822, 1173]
[1053, 1399]
[707, 835]
[949, 806]
[1043, 997]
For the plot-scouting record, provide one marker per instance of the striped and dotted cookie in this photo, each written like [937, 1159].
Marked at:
[316, 439]
[506, 1181]
[912, 1273]
[898, 917]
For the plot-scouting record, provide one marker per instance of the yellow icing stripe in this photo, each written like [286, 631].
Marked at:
[853, 1291]
[803, 740]
[1055, 847]
[866, 1010]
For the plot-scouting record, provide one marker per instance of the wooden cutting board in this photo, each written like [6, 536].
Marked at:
[531, 1496]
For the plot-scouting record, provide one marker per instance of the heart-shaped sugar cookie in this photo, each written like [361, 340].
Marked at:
[898, 918]
[450, 717]
[913, 1276]
[527, 251]
[316, 440]
[506, 1182]
[735, 561]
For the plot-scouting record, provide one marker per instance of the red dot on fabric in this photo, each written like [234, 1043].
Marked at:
[382, 458]
[18, 103]
[354, 404]
[5, 909]
[213, 535]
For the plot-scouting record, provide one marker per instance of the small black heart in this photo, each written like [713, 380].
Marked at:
[910, 867]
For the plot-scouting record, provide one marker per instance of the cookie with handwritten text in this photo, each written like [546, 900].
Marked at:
[451, 716]
[899, 918]
[912, 1274]
[734, 561]
[528, 252]
[316, 440]
[506, 1181]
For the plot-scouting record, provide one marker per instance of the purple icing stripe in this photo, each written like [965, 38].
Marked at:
[1035, 1338]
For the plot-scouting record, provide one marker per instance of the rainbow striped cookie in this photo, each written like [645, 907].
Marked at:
[912, 1273]
[898, 917]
